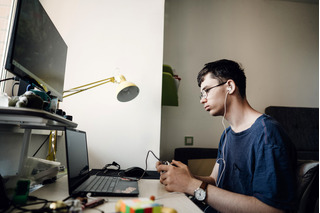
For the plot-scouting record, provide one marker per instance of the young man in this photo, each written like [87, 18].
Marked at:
[255, 167]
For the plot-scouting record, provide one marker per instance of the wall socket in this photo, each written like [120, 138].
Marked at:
[188, 140]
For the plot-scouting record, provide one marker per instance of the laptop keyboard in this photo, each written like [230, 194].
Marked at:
[99, 184]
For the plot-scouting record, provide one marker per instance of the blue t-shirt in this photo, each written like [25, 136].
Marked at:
[259, 162]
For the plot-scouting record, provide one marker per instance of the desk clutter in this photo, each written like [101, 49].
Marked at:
[54, 197]
[40, 170]
[79, 204]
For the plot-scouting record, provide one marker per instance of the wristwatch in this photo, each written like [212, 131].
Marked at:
[201, 193]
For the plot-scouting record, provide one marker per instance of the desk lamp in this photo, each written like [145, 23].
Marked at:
[126, 91]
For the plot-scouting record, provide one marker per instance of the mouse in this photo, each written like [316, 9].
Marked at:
[134, 172]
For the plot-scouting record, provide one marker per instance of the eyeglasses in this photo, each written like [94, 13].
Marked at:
[204, 93]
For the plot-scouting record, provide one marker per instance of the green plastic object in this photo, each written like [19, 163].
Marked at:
[169, 88]
[167, 68]
[21, 192]
[45, 97]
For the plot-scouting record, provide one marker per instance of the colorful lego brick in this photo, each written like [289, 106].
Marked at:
[139, 205]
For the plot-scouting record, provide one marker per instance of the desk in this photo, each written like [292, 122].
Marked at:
[147, 187]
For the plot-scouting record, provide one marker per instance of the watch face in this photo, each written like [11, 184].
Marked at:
[200, 194]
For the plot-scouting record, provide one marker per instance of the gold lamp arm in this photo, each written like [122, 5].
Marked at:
[85, 87]
[126, 92]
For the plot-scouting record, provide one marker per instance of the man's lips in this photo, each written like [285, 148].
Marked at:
[207, 108]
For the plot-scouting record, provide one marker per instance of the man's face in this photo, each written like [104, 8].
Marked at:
[214, 95]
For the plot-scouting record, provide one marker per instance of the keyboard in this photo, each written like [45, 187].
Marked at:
[99, 184]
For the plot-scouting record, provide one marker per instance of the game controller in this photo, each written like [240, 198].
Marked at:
[165, 162]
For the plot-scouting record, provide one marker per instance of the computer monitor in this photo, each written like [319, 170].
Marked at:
[37, 52]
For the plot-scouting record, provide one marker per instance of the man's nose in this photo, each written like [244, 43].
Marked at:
[203, 100]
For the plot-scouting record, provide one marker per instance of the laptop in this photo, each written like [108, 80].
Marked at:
[81, 182]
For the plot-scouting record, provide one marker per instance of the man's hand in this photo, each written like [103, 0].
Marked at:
[177, 178]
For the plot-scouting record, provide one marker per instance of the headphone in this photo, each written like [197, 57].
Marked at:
[225, 137]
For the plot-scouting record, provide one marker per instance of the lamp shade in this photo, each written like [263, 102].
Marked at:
[126, 91]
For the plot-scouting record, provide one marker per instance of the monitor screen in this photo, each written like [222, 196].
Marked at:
[37, 53]
[77, 157]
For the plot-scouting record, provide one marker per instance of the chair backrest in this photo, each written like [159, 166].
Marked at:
[308, 186]
[199, 160]
[302, 126]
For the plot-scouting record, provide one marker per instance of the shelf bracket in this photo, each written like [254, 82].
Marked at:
[24, 149]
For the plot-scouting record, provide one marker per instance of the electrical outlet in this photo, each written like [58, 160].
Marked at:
[188, 140]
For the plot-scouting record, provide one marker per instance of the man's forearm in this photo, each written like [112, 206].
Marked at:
[225, 201]
[207, 179]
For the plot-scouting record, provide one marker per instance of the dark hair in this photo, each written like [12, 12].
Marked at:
[223, 70]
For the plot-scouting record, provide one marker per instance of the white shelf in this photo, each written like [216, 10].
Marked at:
[33, 119]
[26, 119]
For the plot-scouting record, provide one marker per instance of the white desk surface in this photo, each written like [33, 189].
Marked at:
[147, 188]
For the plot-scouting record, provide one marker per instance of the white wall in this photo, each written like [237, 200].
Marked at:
[107, 38]
[276, 42]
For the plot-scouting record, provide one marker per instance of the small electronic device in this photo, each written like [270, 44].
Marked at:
[165, 162]
[94, 203]
[136, 172]
[168, 163]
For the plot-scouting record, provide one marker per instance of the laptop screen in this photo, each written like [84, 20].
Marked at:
[77, 157]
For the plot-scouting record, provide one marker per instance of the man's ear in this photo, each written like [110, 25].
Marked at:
[231, 86]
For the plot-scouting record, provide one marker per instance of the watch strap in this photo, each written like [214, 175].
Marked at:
[204, 185]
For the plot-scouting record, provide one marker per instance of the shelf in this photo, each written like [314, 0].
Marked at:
[12, 118]
[33, 119]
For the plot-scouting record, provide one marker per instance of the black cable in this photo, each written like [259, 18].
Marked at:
[150, 151]
[32, 198]
[153, 155]
[144, 172]
[41, 145]
[106, 168]
[67, 198]
[13, 78]
[44, 208]
[6, 79]
[12, 89]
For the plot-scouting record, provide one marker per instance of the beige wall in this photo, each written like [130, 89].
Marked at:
[276, 42]
[107, 38]
[5, 11]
